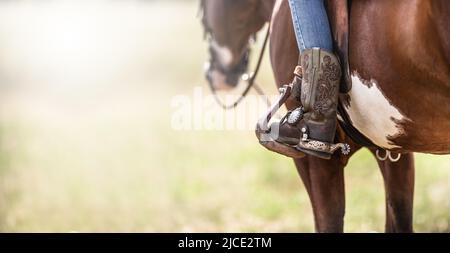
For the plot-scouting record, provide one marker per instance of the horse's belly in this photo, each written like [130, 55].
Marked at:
[376, 117]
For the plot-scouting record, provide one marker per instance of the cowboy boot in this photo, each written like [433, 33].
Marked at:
[312, 127]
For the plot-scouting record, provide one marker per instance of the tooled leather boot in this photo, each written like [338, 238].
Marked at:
[311, 128]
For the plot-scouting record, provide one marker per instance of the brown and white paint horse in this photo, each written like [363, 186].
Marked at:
[400, 98]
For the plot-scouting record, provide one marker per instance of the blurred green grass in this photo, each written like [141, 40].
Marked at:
[103, 157]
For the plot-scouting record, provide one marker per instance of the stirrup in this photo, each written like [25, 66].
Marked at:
[264, 134]
[263, 131]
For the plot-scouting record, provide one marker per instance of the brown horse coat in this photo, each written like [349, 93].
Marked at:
[399, 66]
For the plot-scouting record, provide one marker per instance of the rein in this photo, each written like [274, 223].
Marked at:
[249, 78]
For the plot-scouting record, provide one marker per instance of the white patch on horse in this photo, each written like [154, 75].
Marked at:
[372, 113]
[224, 54]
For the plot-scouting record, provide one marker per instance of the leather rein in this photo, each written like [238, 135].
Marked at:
[249, 78]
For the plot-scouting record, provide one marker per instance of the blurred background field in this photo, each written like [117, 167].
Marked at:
[86, 142]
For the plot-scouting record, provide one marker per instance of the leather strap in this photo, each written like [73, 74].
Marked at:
[351, 131]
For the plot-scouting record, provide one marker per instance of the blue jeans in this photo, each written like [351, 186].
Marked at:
[311, 24]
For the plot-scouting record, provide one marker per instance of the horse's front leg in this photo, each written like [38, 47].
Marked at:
[324, 181]
[399, 186]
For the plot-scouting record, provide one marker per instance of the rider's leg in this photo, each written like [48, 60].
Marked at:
[312, 127]
[311, 24]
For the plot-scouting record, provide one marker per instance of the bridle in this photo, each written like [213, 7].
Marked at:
[250, 78]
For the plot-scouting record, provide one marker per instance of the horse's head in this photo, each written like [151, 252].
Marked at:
[229, 27]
